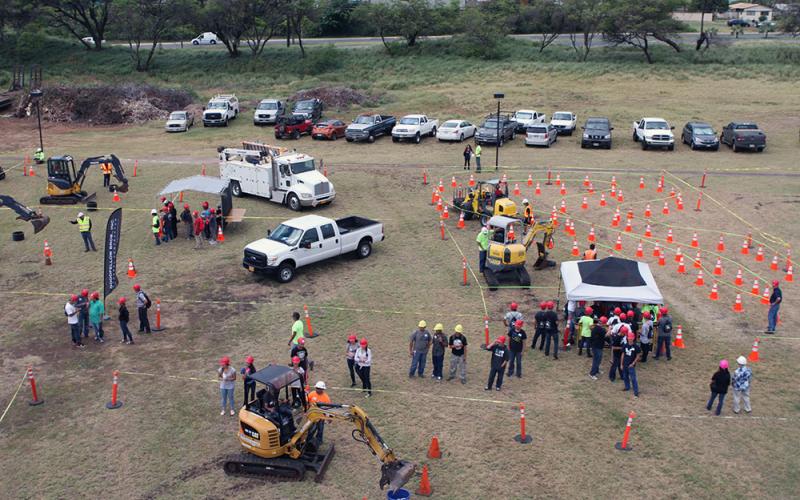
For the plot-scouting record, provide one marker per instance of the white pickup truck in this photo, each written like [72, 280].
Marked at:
[220, 110]
[305, 240]
[273, 173]
[414, 127]
[527, 117]
[653, 133]
[565, 122]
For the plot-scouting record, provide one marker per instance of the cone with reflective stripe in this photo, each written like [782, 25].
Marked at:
[754, 352]
[665, 211]
[745, 247]
[620, 198]
[737, 306]
[517, 190]
[558, 179]
[718, 268]
[672, 192]
[591, 188]
[460, 224]
[641, 182]
[439, 206]
[116, 198]
[613, 181]
[591, 236]
[628, 226]
[563, 190]
[48, 254]
[453, 183]
[679, 339]
[774, 265]
[615, 221]
[530, 180]
[584, 204]
[471, 182]
[511, 236]
[695, 244]
[602, 199]
[618, 244]
[656, 250]
[538, 189]
[700, 281]
[662, 261]
[760, 254]
[586, 181]
[721, 244]
[681, 266]
[738, 281]
[563, 208]
[434, 196]
[575, 251]
[220, 235]
[445, 213]
[755, 289]
[714, 295]
[679, 202]
[678, 254]
[639, 250]
[669, 236]
[789, 277]
[647, 212]
[648, 233]
[613, 191]
[441, 186]
[131, 269]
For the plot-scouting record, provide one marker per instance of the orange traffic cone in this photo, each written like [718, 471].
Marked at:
[445, 213]
[613, 181]
[721, 244]
[116, 197]
[433, 449]
[681, 266]
[538, 189]
[618, 244]
[471, 182]
[700, 281]
[679, 339]
[439, 206]
[639, 250]
[602, 199]
[48, 254]
[591, 188]
[505, 179]
[656, 250]
[789, 277]
[714, 295]
[754, 352]
[648, 232]
[613, 191]
[774, 264]
[765, 296]
[591, 236]
[745, 247]
[695, 244]
[760, 254]
[586, 181]
[738, 281]
[203, 169]
[220, 236]
[441, 186]
[647, 212]
[530, 180]
[641, 182]
[672, 192]
[558, 179]
[460, 224]
[131, 269]
[630, 214]
[453, 183]
[697, 264]
[620, 198]
[662, 261]
[575, 251]
[31, 172]
[434, 196]
[679, 202]
[628, 226]
[615, 221]
[678, 254]
[669, 236]
[517, 190]
[660, 186]
[737, 306]
[563, 208]
[665, 210]
[584, 204]
[424, 489]
[755, 288]
[511, 236]
[718, 268]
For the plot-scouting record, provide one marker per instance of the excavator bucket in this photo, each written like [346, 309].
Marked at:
[39, 223]
[396, 474]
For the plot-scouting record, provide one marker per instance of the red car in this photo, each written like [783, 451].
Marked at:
[329, 129]
[292, 127]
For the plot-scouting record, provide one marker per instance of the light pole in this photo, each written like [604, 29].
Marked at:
[498, 96]
[36, 95]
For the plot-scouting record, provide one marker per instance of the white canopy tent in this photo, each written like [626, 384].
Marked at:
[610, 280]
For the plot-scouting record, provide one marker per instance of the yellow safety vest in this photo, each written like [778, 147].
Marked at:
[156, 224]
[84, 224]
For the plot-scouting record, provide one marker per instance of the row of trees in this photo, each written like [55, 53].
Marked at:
[250, 24]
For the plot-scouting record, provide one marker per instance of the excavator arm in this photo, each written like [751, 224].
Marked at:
[394, 472]
[38, 220]
[119, 172]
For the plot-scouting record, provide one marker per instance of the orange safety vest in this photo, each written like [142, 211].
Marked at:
[589, 255]
[105, 167]
[528, 212]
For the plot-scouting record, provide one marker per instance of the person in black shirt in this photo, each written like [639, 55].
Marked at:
[124, 317]
[249, 384]
[551, 330]
[598, 341]
[539, 332]
[499, 353]
[774, 305]
[631, 352]
[616, 352]
[301, 352]
[719, 386]
[516, 344]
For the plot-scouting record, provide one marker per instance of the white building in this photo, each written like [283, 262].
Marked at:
[750, 12]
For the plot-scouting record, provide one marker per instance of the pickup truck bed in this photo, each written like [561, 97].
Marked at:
[352, 223]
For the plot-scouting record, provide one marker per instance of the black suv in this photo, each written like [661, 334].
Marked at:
[490, 133]
[597, 132]
[310, 109]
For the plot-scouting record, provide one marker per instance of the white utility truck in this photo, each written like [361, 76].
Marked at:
[220, 109]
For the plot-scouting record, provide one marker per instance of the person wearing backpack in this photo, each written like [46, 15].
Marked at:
[664, 333]
[646, 335]
[142, 305]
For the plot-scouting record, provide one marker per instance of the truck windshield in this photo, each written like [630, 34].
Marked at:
[363, 120]
[409, 121]
[305, 105]
[218, 105]
[177, 116]
[302, 166]
[268, 105]
[523, 116]
[656, 126]
[287, 235]
[490, 124]
[562, 116]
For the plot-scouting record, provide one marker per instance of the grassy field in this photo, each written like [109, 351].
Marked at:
[168, 439]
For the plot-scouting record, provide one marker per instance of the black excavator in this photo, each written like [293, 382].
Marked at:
[38, 220]
[65, 185]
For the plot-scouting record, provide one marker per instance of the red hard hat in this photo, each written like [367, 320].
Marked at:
[186, 206]
[163, 198]
[501, 339]
[631, 336]
[588, 311]
[363, 342]
[617, 310]
[775, 283]
[170, 205]
[623, 316]
[603, 320]
[543, 305]
[249, 359]
[550, 304]
[121, 300]
[224, 360]
[85, 292]
[514, 306]
[519, 323]
[137, 287]
[646, 314]
[296, 359]
[301, 341]
[352, 338]
[664, 310]
[205, 204]
[624, 329]
[73, 298]
[195, 213]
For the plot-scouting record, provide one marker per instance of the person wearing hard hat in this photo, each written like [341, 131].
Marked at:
[512, 316]
[551, 330]
[124, 317]
[527, 214]
[585, 323]
[774, 305]
[298, 391]
[458, 354]
[418, 345]
[742, 377]
[227, 380]
[186, 219]
[71, 312]
[96, 312]
[299, 350]
[720, 382]
[664, 334]
[646, 335]
[316, 397]
[617, 333]
[85, 228]
[143, 303]
[363, 359]
[516, 345]
[155, 225]
[539, 331]
[483, 247]
[350, 355]
[498, 363]
[438, 345]
[631, 353]
[83, 312]
[598, 342]
[38, 156]
[198, 226]
[249, 384]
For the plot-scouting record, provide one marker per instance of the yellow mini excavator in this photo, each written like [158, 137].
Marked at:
[485, 200]
[508, 250]
[65, 185]
[281, 440]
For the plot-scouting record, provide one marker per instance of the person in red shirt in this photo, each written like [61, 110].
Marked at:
[199, 225]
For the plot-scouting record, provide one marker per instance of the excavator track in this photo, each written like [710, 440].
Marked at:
[279, 469]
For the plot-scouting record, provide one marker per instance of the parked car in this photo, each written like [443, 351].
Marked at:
[739, 22]
[89, 40]
[329, 129]
[654, 133]
[221, 109]
[292, 126]
[276, 174]
[414, 127]
[565, 122]
[527, 117]
[207, 38]
[268, 111]
[597, 132]
[494, 131]
[305, 240]
[455, 130]
[699, 135]
[741, 136]
[541, 135]
[179, 121]
[309, 108]
[368, 127]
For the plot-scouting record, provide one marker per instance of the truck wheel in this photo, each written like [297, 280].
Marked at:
[285, 273]
[513, 134]
[364, 249]
[195, 42]
[205, 125]
[294, 203]
[433, 132]
[348, 139]
[671, 147]
[735, 149]
[500, 142]
[296, 134]
[236, 189]
[644, 145]
[417, 138]
[395, 139]
[371, 138]
[635, 137]
[334, 136]
[226, 123]
[213, 42]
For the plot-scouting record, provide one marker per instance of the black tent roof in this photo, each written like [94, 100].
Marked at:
[278, 376]
[611, 271]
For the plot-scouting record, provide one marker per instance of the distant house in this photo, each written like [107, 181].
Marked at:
[749, 11]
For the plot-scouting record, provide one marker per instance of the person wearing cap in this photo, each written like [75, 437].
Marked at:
[483, 247]
[438, 345]
[96, 311]
[315, 397]
[719, 386]
[516, 344]
[363, 359]
[297, 387]
[227, 380]
[166, 224]
[83, 312]
[646, 335]
[631, 353]
[155, 225]
[585, 324]
[742, 377]
[298, 330]
[458, 354]
[71, 312]
[124, 317]
[418, 344]
[598, 342]
[551, 329]
[249, 384]
[350, 355]
[186, 219]
[198, 225]
[539, 331]
[774, 305]
[664, 327]
[211, 223]
[205, 215]
[591, 253]
[299, 350]
[498, 363]
[85, 228]
[142, 304]
[617, 332]
[512, 316]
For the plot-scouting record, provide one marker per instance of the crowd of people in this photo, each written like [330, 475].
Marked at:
[200, 225]
[86, 311]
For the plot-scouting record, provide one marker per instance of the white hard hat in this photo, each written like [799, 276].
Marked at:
[525, 201]
[741, 360]
[484, 229]
[320, 385]
[154, 211]
[80, 214]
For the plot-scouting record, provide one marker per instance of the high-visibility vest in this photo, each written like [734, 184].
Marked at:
[156, 224]
[589, 255]
[38, 156]
[84, 224]
[528, 212]
[106, 167]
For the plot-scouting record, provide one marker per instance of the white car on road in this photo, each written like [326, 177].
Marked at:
[565, 122]
[541, 135]
[455, 130]
[207, 38]
[414, 127]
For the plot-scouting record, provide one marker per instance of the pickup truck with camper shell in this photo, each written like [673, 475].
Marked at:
[221, 109]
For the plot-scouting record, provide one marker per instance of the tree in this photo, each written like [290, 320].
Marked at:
[547, 18]
[789, 21]
[16, 14]
[143, 24]
[413, 19]
[298, 11]
[380, 17]
[584, 18]
[636, 22]
[81, 18]
[267, 17]
[229, 19]
[705, 7]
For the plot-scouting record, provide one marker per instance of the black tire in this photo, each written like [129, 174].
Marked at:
[583, 145]
[213, 42]
[609, 146]
[348, 139]
[2, 174]
[735, 148]
[635, 137]
[395, 139]
[17, 236]
[236, 189]
[715, 148]
[760, 150]
[334, 136]
[296, 134]
[513, 134]
[693, 146]
[500, 144]
[204, 125]
[433, 132]
[293, 202]
[484, 220]
[195, 42]
[226, 123]
[417, 138]
[671, 147]
[461, 138]
[285, 272]
[371, 139]
[644, 146]
[364, 249]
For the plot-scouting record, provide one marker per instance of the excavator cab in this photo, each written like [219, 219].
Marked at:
[61, 173]
[508, 250]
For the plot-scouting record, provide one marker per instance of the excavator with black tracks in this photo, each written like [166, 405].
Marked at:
[508, 250]
[65, 184]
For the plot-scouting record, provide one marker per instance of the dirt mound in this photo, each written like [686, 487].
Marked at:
[338, 97]
[110, 104]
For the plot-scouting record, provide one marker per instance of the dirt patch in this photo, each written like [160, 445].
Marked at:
[338, 97]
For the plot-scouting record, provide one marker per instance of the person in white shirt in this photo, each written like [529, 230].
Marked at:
[71, 311]
[227, 382]
[363, 365]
